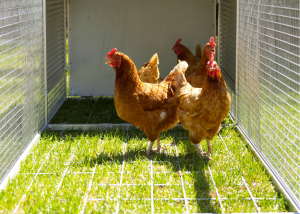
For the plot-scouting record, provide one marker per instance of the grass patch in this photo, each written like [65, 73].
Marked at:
[92, 110]
[115, 164]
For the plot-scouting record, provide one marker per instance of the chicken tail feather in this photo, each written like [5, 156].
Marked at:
[198, 51]
[179, 71]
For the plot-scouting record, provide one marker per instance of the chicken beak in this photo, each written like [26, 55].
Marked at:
[107, 61]
[173, 49]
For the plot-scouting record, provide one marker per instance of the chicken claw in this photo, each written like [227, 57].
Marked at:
[158, 150]
[159, 147]
[203, 156]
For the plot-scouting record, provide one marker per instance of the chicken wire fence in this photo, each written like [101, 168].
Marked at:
[267, 84]
[268, 81]
[22, 73]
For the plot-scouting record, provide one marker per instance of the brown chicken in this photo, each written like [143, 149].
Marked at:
[149, 72]
[184, 54]
[151, 107]
[197, 79]
[201, 110]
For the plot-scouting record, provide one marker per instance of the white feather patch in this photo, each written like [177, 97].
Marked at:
[163, 115]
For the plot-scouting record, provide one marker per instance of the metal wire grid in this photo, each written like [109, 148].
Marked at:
[21, 78]
[233, 103]
[58, 186]
[16, 110]
[269, 82]
[56, 79]
[55, 22]
[56, 96]
[119, 200]
[227, 41]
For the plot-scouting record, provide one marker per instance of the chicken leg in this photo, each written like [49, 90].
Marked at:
[208, 148]
[198, 151]
[159, 147]
[204, 155]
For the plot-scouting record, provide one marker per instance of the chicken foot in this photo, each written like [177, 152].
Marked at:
[159, 147]
[205, 154]
[198, 151]
[209, 150]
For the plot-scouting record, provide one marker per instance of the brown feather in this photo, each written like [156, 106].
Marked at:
[150, 107]
[197, 79]
[201, 110]
[192, 61]
[149, 72]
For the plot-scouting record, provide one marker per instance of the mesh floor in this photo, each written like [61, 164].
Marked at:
[108, 171]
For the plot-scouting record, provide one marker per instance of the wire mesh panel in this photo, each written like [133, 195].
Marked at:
[55, 27]
[233, 103]
[56, 96]
[248, 63]
[227, 41]
[21, 78]
[269, 82]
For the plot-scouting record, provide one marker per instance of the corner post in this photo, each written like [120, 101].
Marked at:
[45, 63]
[237, 61]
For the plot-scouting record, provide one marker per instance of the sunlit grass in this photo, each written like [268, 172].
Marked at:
[67, 160]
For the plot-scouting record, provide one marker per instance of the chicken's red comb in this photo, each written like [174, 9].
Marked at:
[111, 52]
[178, 41]
[212, 42]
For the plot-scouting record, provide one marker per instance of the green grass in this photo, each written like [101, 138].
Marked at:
[92, 111]
[69, 158]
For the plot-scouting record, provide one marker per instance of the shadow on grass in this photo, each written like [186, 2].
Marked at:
[196, 179]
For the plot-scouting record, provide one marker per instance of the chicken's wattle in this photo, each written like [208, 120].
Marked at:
[211, 68]
[177, 52]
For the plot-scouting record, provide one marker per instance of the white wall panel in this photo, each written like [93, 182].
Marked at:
[136, 28]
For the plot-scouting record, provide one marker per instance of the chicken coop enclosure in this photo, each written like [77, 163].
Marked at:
[258, 52]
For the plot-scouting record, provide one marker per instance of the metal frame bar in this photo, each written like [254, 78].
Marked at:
[101, 126]
[65, 39]
[68, 23]
[237, 61]
[45, 62]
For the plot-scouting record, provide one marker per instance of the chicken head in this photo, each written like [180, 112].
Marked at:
[209, 48]
[177, 48]
[114, 60]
